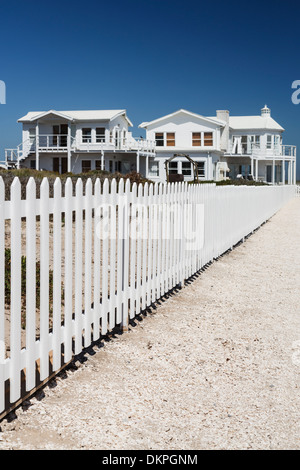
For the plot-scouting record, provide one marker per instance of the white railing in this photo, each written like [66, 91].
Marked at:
[114, 143]
[113, 254]
[258, 151]
[49, 142]
[59, 143]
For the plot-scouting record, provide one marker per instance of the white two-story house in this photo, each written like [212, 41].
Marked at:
[184, 132]
[80, 141]
[250, 146]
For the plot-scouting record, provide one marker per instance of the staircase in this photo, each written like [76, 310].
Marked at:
[13, 157]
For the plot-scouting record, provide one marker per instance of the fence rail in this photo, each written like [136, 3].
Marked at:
[74, 266]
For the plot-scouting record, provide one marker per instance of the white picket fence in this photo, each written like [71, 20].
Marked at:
[105, 256]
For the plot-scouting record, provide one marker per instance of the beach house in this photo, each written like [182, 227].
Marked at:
[80, 141]
[247, 146]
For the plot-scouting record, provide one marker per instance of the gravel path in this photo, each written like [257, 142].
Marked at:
[216, 366]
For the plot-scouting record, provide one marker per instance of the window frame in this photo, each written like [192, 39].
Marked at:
[186, 171]
[170, 141]
[84, 170]
[201, 170]
[159, 142]
[210, 140]
[84, 137]
[100, 138]
[194, 139]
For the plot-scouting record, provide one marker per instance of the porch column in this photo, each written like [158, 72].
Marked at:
[252, 168]
[138, 161]
[37, 155]
[295, 172]
[289, 171]
[283, 171]
[69, 148]
[256, 169]
[273, 171]
[147, 166]
[102, 161]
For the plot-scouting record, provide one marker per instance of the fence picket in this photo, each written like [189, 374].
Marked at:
[78, 266]
[57, 255]
[88, 263]
[97, 262]
[44, 281]
[104, 236]
[15, 324]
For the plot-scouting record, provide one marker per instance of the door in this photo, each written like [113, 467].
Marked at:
[269, 174]
[64, 135]
[64, 165]
[56, 164]
[55, 134]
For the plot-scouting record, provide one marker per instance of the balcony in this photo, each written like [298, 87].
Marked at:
[52, 143]
[258, 152]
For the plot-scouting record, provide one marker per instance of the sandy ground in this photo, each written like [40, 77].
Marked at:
[215, 366]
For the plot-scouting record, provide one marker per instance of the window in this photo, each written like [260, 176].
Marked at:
[86, 135]
[269, 141]
[196, 139]
[32, 164]
[170, 139]
[173, 168]
[186, 168]
[31, 135]
[244, 141]
[111, 168]
[276, 141]
[153, 169]
[100, 134]
[208, 139]
[201, 169]
[159, 139]
[86, 165]
[98, 165]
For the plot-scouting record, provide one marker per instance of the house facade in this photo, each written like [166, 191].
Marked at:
[80, 141]
[221, 146]
[250, 146]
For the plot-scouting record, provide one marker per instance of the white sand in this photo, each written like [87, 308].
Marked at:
[213, 368]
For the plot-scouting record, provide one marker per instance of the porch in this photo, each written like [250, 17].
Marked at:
[270, 170]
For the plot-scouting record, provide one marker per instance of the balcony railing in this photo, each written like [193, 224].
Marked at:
[59, 143]
[257, 151]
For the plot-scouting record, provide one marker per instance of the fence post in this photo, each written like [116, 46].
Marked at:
[125, 256]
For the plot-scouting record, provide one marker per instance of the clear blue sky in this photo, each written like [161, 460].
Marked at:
[150, 57]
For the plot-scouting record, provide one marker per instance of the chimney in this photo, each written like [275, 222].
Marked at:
[223, 115]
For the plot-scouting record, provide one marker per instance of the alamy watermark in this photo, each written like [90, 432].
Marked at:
[181, 222]
[2, 92]
[296, 94]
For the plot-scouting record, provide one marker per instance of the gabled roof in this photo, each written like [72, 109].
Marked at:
[254, 122]
[92, 115]
[184, 111]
